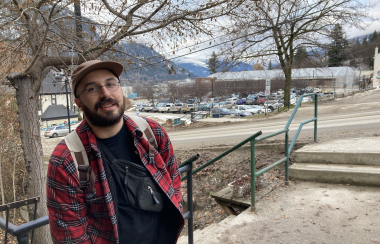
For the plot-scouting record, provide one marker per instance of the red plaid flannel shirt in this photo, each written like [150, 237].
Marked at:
[73, 218]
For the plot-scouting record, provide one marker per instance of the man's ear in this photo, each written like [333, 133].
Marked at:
[78, 103]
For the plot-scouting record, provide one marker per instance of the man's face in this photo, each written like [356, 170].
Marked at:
[105, 109]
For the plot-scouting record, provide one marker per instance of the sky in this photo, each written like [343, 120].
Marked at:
[205, 54]
[350, 31]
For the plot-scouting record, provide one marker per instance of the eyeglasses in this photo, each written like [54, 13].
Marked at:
[94, 89]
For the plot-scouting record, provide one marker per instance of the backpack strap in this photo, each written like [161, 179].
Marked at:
[147, 134]
[84, 170]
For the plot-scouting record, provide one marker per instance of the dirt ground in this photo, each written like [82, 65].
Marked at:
[218, 175]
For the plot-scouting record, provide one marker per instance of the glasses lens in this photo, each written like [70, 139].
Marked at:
[93, 90]
[112, 85]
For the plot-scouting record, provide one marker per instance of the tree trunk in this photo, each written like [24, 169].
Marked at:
[288, 86]
[27, 89]
[1, 180]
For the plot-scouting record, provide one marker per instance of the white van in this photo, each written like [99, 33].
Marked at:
[232, 100]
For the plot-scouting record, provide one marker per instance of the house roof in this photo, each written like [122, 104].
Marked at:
[51, 86]
[306, 73]
[54, 112]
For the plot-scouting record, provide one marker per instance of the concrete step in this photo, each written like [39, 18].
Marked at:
[224, 227]
[360, 151]
[200, 235]
[336, 173]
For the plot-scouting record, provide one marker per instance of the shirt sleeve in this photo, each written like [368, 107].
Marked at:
[165, 148]
[65, 201]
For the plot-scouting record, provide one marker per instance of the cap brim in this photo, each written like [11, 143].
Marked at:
[116, 67]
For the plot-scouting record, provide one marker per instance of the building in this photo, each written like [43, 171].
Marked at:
[53, 92]
[309, 77]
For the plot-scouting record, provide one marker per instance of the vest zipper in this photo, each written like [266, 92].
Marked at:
[126, 176]
[152, 193]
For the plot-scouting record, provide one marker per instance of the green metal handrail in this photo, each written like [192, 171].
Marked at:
[223, 154]
[254, 138]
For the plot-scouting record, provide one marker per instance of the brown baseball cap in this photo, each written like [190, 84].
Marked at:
[83, 69]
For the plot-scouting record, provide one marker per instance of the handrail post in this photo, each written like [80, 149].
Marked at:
[253, 183]
[287, 158]
[190, 202]
[315, 115]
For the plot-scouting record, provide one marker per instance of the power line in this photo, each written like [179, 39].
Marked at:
[231, 40]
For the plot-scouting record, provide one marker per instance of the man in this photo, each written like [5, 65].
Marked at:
[111, 139]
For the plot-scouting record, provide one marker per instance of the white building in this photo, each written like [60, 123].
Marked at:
[342, 76]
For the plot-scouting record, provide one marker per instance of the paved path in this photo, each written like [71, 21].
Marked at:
[307, 212]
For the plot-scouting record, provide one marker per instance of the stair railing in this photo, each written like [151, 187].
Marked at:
[255, 138]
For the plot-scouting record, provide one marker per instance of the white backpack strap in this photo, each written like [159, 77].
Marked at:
[147, 134]
[145, 128]
[77, 151]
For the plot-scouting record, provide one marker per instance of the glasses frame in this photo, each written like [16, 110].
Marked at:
[85, 89]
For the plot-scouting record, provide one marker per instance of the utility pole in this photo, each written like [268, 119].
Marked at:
[332, 80]
[78, 23]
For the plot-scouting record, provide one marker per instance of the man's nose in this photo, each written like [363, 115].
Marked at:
[104, 92]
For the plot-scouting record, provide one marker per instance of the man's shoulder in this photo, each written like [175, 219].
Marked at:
[60, 154]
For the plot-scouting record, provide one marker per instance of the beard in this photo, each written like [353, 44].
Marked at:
[101, 120]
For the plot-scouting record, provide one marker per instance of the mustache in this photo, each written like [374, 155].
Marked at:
[104, 101]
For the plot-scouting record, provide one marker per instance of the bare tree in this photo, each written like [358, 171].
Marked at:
[148, 92]
[40, 35]
[172, 92]
[277, 28]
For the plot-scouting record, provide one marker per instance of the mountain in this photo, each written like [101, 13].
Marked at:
[195, 66]
[151, 66]
[142, 64]
[199, 67]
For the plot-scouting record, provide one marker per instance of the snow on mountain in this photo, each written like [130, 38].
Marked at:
[195, 66]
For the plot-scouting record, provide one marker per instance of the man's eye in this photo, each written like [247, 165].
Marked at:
[91, 89]
[112, 84]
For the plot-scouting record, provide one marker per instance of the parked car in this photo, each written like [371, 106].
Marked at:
[149, 108]
[248, 109]
[241, 101]
[317, 89]
[189, 108]
[191, 101]
[142, 107]
[56, 131]
[157, 108]
[251, 99]
[261, 100]
[228, 105]
[165, 108]
[232, 100]
[137, 105]
[174, 108]
[204, 106]
[273, 105]
[240, 113]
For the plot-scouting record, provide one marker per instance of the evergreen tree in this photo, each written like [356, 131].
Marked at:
[357, 42]
[300, 55]
[270, 65]
[213, 63]
[365, 40]
[337, 49]
[373, 36]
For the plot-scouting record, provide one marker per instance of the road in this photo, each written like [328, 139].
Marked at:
[327, 123]
[350, 117]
